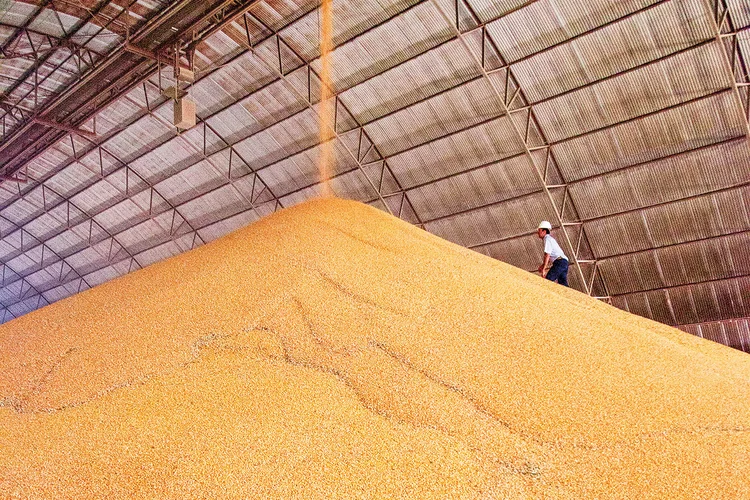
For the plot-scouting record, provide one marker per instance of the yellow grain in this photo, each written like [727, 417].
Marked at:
[333, 351]
[327, 105]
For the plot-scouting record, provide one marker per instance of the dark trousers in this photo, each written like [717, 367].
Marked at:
[559, 271]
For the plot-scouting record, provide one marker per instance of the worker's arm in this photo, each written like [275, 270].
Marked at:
[545, 266]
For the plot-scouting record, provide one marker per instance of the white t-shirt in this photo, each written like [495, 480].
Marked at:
[552, 248]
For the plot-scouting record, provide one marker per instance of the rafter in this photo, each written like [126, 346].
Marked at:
[200, 21]
[539, 154]
[41, 58]
[146, 186]
[735, 67]
[45, 43]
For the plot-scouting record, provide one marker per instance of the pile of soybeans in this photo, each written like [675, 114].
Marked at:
[333, 351]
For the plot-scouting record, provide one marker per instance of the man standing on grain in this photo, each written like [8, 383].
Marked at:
[553, 255]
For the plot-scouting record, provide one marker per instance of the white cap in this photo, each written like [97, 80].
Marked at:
[545, 225]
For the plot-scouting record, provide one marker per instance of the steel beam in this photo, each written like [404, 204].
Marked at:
[682, 285]
[59, 126]
[20, 29]
[639, 209]
[307, 98]
[247, 7]
[42, 59]
[502, 98]
[154, 32]
[153, 189]
[52, 43]
[722, 26]
[398, 64]
[203, 157]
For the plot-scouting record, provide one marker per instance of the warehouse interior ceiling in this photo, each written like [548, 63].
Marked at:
[624, 122]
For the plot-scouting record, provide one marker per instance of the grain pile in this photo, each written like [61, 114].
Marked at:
[332, 351]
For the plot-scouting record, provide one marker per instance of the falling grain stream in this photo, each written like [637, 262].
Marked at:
[327, 104]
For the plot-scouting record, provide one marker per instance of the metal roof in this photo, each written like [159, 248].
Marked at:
[624, 122]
